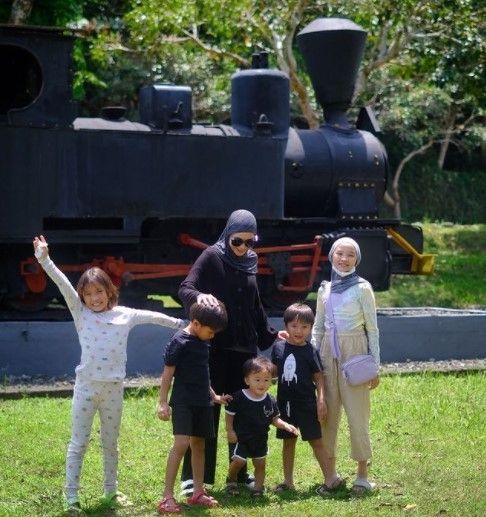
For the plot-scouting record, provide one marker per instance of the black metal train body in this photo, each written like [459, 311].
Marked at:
[141, 199]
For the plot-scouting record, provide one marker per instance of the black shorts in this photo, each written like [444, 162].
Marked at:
[256, 448]
[193, 420]
[302, 415]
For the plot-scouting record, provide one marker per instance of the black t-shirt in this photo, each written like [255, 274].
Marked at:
[295, 368]
[252, 417]
[190, 357]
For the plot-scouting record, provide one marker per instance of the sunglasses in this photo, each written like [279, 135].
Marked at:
[249, 243]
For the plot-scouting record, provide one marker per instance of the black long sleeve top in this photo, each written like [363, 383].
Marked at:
[248, 326]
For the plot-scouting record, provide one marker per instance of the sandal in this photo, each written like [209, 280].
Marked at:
[202, 499]
[362, 486]
[168, 505]
[324, 490]
[257, 492]
[283, 487]
[232, 488]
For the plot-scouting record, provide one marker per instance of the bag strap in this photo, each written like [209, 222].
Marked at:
[333, 338]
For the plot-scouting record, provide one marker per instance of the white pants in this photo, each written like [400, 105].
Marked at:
[88, 398]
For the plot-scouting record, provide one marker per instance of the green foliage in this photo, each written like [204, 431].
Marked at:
[421, 426]
[442, 195]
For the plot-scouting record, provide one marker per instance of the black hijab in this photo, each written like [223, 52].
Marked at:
[239, 221]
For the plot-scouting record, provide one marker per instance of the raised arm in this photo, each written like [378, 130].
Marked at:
[41, 251]
[142, 317]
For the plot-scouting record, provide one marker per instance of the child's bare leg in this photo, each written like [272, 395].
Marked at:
[259, 464]
[197, 462]
[181, 443]
[331, 474]
[235, 466]
[288, 457]
[324, 462]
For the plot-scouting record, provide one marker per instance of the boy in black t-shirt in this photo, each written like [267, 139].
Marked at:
[300, 374]
[186, 360]
[248, 418]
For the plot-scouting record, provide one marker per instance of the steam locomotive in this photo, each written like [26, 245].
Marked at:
[142, 199]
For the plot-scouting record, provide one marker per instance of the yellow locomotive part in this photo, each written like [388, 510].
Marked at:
[422, 264]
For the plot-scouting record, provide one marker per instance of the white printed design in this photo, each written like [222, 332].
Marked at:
[289, 368]
[267, 412]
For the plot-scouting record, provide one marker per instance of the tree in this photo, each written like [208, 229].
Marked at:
[20, 11]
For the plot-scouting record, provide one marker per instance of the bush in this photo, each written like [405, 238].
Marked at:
[427, 192]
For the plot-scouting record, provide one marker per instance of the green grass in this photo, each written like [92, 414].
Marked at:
[458, 280]
[429, 457]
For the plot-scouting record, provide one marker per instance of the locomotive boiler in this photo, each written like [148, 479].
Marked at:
[141, 199]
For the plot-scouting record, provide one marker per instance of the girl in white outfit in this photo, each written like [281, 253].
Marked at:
[355, 322]
[102, 328]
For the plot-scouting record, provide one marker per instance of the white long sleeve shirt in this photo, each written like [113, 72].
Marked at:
[353, 310]
[103, 336]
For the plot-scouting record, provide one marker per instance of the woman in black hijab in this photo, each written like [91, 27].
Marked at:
[226, 271]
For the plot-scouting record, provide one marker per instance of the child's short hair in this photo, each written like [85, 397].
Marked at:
[98, 276]
[298, 311]
[212, 316]
[257, 365]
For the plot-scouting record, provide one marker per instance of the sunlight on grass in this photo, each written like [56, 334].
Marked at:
[427, 432]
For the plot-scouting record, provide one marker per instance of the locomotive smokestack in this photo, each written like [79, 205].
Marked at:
[332, 49]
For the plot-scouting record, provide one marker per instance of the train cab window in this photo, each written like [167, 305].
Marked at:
[21, 78]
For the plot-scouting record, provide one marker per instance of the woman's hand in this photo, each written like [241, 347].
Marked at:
[207, 299]
[374, 383]
[41, 250]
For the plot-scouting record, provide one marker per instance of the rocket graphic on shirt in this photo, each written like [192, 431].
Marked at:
[289, 368]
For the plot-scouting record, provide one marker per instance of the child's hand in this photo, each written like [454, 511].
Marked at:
[374, 382]
[321, 410]
[222, 399]
[231, 435]
[164, 411]
[41, 250]
[291, 429]
[283, 334]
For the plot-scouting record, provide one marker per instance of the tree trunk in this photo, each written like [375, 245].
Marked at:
[395, 187]
[20, 11]
[444, 146]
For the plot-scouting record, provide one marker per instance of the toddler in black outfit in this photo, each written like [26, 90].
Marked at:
[248, 419]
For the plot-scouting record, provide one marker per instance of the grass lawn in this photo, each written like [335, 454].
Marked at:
[458, 280]
[428, 432]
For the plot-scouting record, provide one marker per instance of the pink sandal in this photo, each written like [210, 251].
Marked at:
[168, 505]
[202, 499]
